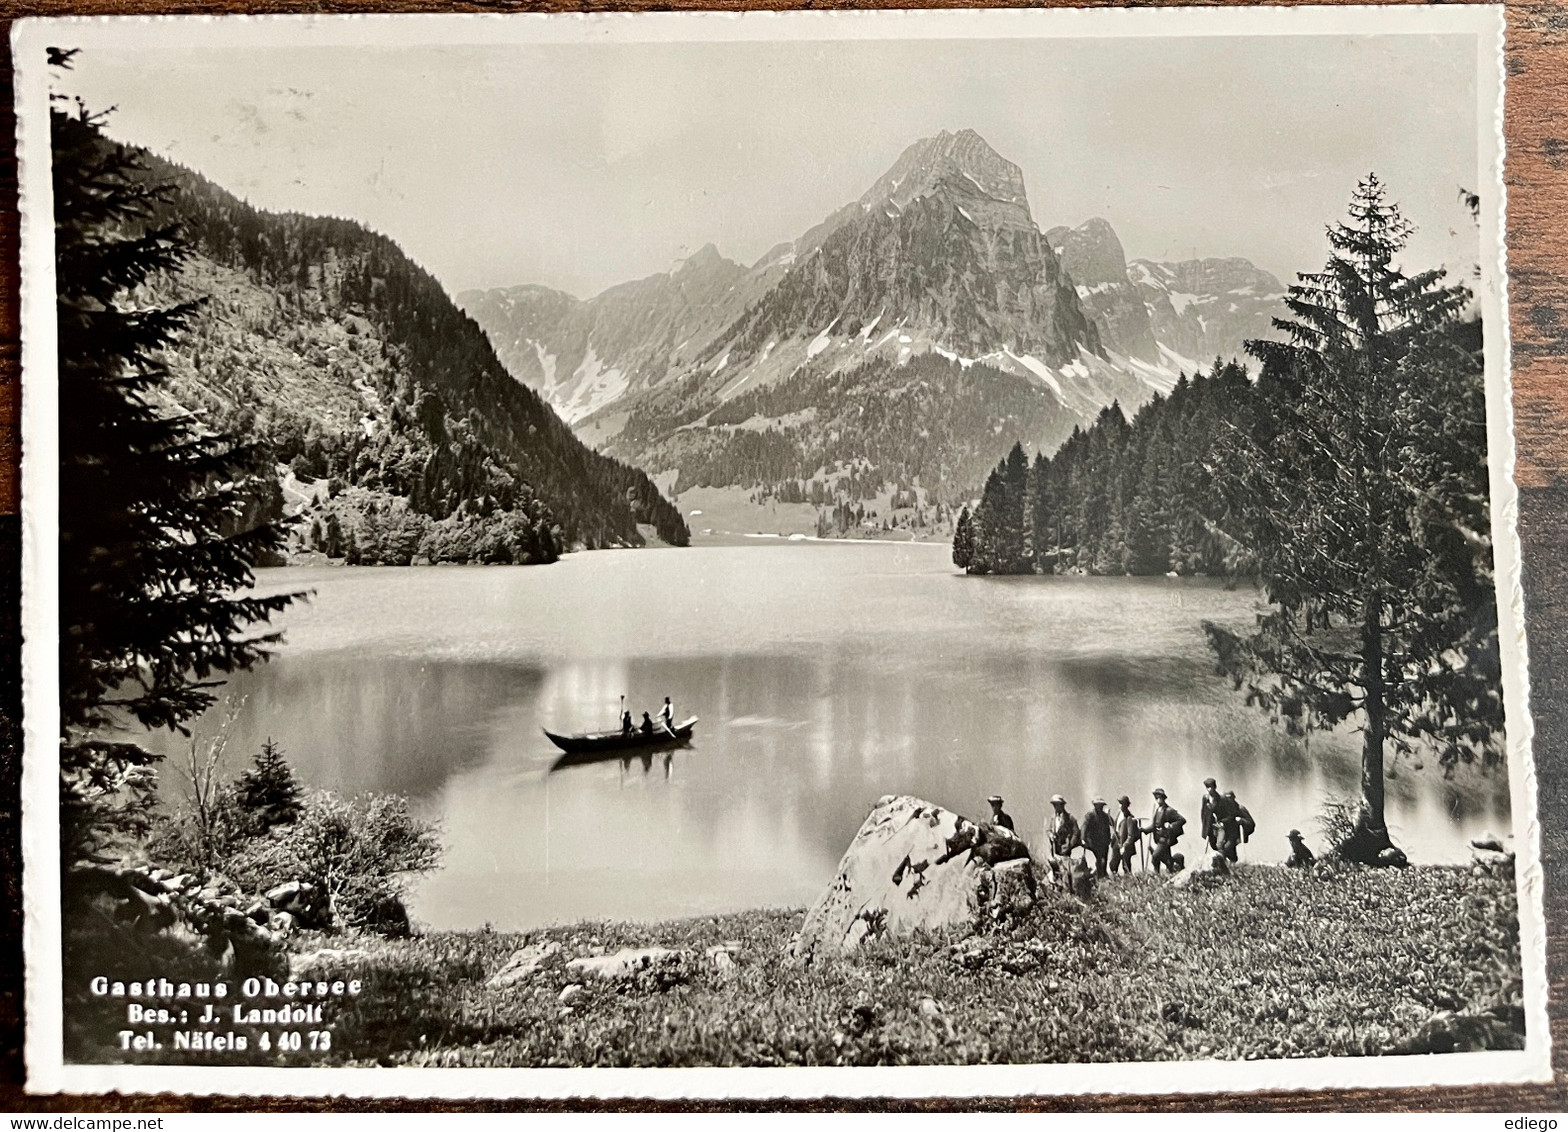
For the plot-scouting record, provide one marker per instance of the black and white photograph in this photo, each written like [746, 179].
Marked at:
[813, 554]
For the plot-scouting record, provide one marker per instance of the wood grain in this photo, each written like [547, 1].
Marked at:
[1537, 236]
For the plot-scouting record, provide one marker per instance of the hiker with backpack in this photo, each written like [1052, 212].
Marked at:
[1165, 829]
[1245, 826]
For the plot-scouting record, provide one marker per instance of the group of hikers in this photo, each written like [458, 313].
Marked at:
[664, 724]
[1117, 840]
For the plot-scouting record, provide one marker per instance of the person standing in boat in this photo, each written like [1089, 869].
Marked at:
[667, 716]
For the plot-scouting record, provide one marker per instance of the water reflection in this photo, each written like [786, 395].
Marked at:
[823, 677]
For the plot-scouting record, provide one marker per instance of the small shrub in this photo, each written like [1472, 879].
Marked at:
[361, 851]
[1337, 823]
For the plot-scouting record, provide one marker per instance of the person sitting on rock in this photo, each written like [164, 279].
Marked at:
[1165, 829]
[1097, 835]
[1300, 856]
[1126, 836]
[999, 816]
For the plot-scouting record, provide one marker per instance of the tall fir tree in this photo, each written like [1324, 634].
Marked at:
[990, 524]
[1038, 516]
[1361, 489]
[155, 582]
[1012, 532]
[963, 540]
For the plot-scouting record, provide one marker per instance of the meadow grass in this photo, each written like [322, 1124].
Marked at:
[1268, 962]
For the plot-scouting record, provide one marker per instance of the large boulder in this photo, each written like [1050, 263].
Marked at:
[1213, 868]
[915, 865]
[525, 962]
[625, 963]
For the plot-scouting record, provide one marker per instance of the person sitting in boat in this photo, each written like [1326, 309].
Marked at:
[626, 723]
[647, 724]
[667, 716]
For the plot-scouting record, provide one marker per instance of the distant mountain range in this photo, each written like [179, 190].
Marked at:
[398, 434]
[755, 376]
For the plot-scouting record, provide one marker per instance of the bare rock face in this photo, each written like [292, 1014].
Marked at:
[1208, 308]
[1093, 258]
[915, 865]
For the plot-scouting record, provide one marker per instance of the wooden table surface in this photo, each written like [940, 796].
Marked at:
[1536, 173]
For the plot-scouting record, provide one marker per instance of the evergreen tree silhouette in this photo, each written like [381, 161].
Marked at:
[1361, 487]
[155, 579]
[268, 793]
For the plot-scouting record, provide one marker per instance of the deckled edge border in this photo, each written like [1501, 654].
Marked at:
[40, 813]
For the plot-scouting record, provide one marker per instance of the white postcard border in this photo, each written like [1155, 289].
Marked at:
[40, 625]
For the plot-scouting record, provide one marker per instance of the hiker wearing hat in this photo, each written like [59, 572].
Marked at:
[1300, 856]
[1061, 828]
[1126, 836]
[1097, 835]
[1063, 836]
[999, 816]
[1165, 829]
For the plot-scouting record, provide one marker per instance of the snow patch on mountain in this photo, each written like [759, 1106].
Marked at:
[820, 342]
[546, 364]
[592, 386]
[1040, 370]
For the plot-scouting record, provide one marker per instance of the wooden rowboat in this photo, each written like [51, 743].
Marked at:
[597, 741]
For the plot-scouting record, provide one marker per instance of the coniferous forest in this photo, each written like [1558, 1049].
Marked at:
[1121, 497]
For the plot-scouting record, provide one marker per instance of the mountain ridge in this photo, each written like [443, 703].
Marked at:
[940, 255]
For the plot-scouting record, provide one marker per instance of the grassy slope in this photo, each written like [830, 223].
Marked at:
[1270, 963]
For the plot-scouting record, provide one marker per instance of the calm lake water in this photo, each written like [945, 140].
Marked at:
[825, 675]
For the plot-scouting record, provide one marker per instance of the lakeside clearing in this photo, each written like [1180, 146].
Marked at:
[1265, 963]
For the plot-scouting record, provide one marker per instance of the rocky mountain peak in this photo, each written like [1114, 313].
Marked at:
[961, 163]
[1091, 253]
[703, 259]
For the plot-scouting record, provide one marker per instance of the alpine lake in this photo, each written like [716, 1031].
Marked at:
[823, 674]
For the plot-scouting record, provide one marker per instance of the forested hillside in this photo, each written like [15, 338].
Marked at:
[931, 423]
[1121, 497]
[405, 437]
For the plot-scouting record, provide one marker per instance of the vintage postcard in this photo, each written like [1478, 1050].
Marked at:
[766, 555]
